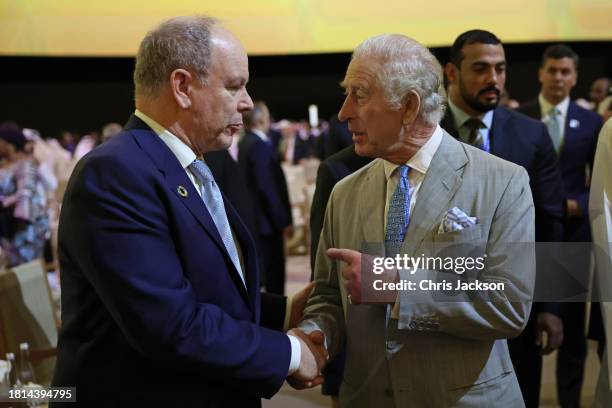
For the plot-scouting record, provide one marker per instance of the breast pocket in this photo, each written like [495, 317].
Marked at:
[471, 234]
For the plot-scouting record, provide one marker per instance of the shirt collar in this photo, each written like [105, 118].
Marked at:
[460, 117]
[546, 106]
[261, 134]
[422, 158]
[183, 153]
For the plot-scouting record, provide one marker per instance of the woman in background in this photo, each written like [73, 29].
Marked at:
[24, 218]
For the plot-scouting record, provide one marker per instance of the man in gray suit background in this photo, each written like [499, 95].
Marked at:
[425, 188]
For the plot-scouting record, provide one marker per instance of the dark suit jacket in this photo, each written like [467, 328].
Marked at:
[524, 141]
[154, 312]
[336, 138]
[332, 170]
[577, 152]
[266, 183]
[228, 176]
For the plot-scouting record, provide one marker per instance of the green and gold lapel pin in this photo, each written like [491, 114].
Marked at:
[182, 191]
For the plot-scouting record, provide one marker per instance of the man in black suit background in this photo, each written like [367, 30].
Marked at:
[476, 74]
[573, 131]
[268, 188]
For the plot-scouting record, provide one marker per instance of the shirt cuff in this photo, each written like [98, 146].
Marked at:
[288, 307]
[296, 355]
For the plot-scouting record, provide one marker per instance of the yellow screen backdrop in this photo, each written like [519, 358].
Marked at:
[115, 27]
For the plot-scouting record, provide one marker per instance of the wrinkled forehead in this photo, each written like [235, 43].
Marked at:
[361, 72]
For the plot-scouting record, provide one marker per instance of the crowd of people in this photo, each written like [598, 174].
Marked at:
[186, 214]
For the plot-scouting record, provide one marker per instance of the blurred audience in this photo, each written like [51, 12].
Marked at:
[268, 188]
[24, 217]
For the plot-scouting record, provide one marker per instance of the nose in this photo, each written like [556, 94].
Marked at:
[347, 110]
[492, 77]
[246, 103]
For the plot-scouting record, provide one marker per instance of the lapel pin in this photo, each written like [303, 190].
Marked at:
[574, 123]
[182, 191]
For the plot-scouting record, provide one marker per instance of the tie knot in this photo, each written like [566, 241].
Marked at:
[403, 171]
[473, 124]
[201, 171]
[554, 111]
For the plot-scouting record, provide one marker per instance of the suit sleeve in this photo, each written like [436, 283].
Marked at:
[324, 307]
[505, 313]
[273, 311]
[123, 243]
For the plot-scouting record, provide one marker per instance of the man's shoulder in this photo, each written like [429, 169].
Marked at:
[519, 118]
[488, 165]
[578, 111]
[530, 108]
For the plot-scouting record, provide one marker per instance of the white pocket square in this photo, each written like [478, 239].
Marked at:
[456, 220]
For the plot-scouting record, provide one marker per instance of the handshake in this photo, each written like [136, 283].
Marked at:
[313, 358]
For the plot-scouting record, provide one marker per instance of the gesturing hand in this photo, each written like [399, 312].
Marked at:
[313, 359]
[351, 272]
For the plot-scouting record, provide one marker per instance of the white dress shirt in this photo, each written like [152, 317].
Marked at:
[186, 156]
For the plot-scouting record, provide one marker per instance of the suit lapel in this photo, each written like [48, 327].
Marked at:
[569, 132]
[499, 144]
[249, 257]
[442, 180]
[372, 207]
[178, 182]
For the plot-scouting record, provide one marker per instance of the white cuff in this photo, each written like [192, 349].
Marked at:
[296, 355]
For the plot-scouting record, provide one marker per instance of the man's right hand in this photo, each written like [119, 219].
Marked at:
[313, 358]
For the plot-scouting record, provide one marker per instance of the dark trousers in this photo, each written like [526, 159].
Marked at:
[571, 356]
[527, 363]
[273, 262]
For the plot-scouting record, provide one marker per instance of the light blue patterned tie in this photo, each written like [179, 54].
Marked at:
[554, 127]
[398, 214]
[398, 218]
[211, 195]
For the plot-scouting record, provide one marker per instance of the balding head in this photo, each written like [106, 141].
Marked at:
[181, 42]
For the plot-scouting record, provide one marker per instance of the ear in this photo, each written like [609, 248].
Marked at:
[540, 74]
[412, 105]
[181, 84]
[452, 72]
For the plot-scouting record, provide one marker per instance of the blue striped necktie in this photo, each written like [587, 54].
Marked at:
[211, 195]
[398, 214]
[398, 218]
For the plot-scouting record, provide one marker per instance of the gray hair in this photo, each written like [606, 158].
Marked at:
[181, 42]
[407, 65]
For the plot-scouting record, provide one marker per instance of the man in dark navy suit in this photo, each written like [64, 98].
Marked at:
[476, 74]
[267, 186]
[573, 131]
[160, 289]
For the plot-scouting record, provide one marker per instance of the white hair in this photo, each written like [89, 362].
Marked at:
[181, 42]
[407, 65]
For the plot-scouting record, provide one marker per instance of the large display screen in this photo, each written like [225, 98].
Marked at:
[268, 27]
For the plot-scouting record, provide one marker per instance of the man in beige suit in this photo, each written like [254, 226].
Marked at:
[424, 190]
